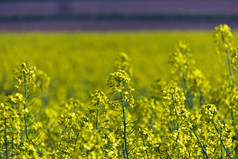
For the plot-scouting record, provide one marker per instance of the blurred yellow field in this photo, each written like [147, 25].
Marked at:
[82, 61]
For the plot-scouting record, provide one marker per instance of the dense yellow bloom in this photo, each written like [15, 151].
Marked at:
[16, 99]
[122, 63]
[173, 94]
[208, 111]
[98, 98]
[196, 80]
[118, 81]
[181, 58]
[223, 39]
[234, 59]
[25, 74]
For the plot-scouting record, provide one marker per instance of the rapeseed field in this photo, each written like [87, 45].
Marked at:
[148, 94]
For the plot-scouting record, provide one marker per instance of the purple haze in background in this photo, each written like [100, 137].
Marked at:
[20, 9]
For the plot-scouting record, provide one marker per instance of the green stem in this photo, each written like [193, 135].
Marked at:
[6, 141]
[234, 125]
[221, 154]
[87, 152]
[151, 120]
[25, 118]
[201, 98]
[232, 117]
[227, 152]
[203, 149]
[50, 144]
[62, 136]
[51, 147]
[144, 146]
[75, 144]
[188, 95]
[123, 150]
[229, 65]
[174, 104]
[97, 115]
[124, 123]
[174, 128]
[13, 135]
[43, 95]
[228, 60]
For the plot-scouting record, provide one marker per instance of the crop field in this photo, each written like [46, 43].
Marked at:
[142, 94]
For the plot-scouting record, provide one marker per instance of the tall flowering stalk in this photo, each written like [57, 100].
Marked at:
[234, 59]
[5, 114]
[173, 99]
[25, 77]
[77, 136]
[223, 40]
[171, 123]
[119, 84]
[210, 116]
[193, 80]
[99, 101]
[10, 117]
[181, 60]
[17, 101]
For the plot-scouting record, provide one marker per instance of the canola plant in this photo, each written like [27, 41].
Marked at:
[183, 117]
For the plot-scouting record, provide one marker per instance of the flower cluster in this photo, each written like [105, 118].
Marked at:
[122, 63]
[25, 75]
[193, 81]
[234, 59]
[99, 98]
[223, 39]
[173, 94]
[181, 58]
[119, 82]
[208, 111]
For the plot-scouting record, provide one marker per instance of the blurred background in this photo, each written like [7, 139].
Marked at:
[99, 15]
